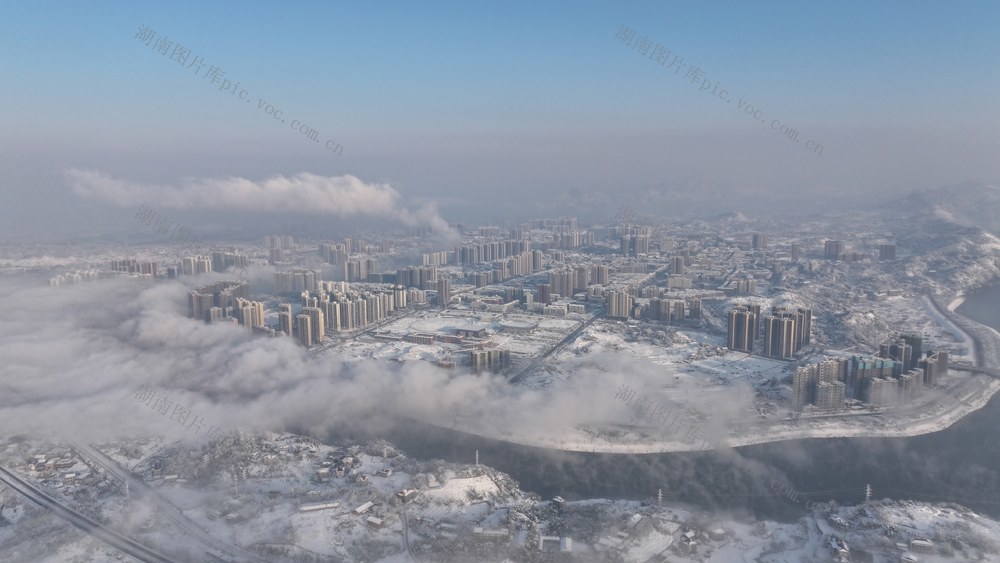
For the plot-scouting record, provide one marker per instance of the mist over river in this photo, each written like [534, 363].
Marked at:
[960, 464]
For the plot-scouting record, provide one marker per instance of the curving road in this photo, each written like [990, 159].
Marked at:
[121, 542]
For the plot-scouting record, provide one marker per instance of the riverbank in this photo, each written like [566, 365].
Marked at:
[936, 411]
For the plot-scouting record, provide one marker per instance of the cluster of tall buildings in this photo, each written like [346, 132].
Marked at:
[906, 349]
[674, 310]
[278, 247]
[895, 376]
[326, 306]
[195, 265]
[472, 254]
[286, 242]
[190, 265]
[248, 313]
[346, 308]
[898, 372]
[619, 304]
[222, 261]
[79, 276]
[505, 268]
[421, 277]
[885, 381]
[567, 238]
[309, 326]
[569, 281]
[741, 286]
[359, 269]
[436, 258]
[552, 223]
[823, 384]
[785, 331]
[633, 241]
[295, 281]
[489, 360]
[334, 253]
[835, 250]
[623, 303]
[221, 296]
[133, 266]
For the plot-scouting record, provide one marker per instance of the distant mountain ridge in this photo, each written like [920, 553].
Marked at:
[969, 204]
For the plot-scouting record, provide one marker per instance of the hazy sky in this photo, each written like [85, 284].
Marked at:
[508, 109]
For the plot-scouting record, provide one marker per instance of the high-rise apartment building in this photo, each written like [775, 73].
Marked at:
[802, 385]
[444, 292]
[133, 266]
[779, 337]
[677, 265]
[803, 324]
[489, 360]
[900, 352]
[317, 323]
[250, 313]
[358, 270]
[742, 329]
[916, 342]
[830, 395]
[833, 249]
[619, 304]
[887, 252]
[883, 392]
[543, 293]
[279, 241]
[285, 323]
[295, 281]
[935, 365]
[821, 384]
[303, 328]
[864, 370]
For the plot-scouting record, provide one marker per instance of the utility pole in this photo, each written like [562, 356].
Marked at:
[477, 457]
[868, 492]
[659, 497]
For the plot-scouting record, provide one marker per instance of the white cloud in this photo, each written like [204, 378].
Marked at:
[75, 356]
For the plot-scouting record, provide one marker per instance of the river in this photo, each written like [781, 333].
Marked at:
[960, 464]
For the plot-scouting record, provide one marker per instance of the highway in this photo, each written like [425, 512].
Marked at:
[139, 487]
[986, 345]
[537, 361]
[107, 535]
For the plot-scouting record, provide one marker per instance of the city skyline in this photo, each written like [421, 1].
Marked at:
[574, 281]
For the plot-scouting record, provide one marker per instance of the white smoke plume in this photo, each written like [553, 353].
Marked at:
[340, 196]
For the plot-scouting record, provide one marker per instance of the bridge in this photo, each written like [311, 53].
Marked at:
[974, 369]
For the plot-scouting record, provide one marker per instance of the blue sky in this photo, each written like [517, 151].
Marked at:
[448, 98]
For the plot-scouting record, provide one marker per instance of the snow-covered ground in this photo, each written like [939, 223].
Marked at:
[282, 507]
